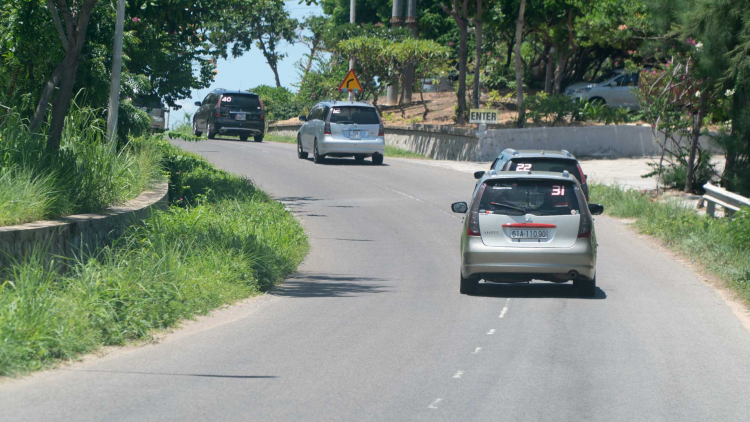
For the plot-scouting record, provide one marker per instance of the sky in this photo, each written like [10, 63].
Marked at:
[251, 69]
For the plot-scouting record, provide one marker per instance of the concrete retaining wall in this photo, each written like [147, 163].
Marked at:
[69, 236]
[448, 143]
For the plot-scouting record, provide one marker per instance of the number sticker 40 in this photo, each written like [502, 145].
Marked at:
[523, 167]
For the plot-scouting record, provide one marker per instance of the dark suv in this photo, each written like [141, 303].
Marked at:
[230, 113]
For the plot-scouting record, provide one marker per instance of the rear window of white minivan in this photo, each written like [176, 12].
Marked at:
[529, 196]
[354, 115]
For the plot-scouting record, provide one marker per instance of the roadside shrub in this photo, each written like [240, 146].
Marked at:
[279, 103]
[233, 243]
[131, 122]
[25, 196]
[552, 109]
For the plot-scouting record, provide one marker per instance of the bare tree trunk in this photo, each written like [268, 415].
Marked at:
[60, 107]
[519, 72]
[562, 62]
[462, 58]
[697, 126]
[478, 59]
[550, 69]
[49, 89]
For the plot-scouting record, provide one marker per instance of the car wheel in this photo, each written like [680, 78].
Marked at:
[196, 132]
[243, 138]
[259, 138]
[211, 134]
[302, 155]
[469, 286]
[586, 288]
[377, 159]
[317, 158]
[359, 158]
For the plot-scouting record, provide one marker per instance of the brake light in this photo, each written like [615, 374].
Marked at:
[217, 113]
[381, 130]
[584, 228]
[583, 176]
[327, 128]
[472, 229]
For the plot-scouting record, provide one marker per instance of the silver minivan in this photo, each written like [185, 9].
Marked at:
[524, 226]
[614, 89]
[342, 129]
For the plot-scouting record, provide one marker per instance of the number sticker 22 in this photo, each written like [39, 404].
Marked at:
[523, 167]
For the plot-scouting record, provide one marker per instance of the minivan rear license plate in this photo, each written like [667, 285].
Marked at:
[355, 134]
[239, 116]
[528, 234]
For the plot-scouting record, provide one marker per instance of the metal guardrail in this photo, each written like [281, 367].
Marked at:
[731, 202]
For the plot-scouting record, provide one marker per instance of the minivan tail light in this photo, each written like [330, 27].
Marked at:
[381, 130]
[584, 228]
[472, 229]
[583, 176]
[327, 128]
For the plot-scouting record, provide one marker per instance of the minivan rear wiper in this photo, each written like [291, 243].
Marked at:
[512, 207]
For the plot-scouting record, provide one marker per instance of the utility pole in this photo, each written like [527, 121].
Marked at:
[411, 21]
[114, 87]
[352, 19]
[478, 59]
[392, 98]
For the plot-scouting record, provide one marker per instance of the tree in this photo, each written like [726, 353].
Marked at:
[427, 57]
[459, 10]
[373, 57]
[265, 24]
[519, 71]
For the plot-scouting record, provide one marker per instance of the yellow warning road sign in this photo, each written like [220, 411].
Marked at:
[351, 83]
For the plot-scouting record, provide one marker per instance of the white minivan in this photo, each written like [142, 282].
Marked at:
[615, 89]
[342, 129]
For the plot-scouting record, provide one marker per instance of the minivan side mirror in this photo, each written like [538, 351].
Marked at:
[303, 118]
[478, 174]
[459, 207]
[198, 103]
[596, 209]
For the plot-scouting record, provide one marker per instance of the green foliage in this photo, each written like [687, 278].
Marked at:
[718, 245]
[279, 103]
[180, 263]
[551, 109]
[87, 175]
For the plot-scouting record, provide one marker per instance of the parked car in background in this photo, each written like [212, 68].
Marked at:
[158, 114]
[342, 129]
[539, 160]
[234, 113]
[615, 89]
[525, 226]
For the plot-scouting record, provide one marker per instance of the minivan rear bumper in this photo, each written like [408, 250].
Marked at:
[367, 147]
[478, 259]
[233, 127]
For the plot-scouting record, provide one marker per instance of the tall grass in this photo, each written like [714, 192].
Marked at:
[721, 246]
[222, 241]
[87, 174]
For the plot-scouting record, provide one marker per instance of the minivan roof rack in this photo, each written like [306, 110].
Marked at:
[512, 151]
[566, 152]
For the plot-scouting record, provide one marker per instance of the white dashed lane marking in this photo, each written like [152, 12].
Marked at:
[434, 404]
[477, 350]
[492, 331]
[458, 374]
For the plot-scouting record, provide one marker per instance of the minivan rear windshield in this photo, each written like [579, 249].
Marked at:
[354, 115]
[555, 165]
[241, 101]
[529, 196]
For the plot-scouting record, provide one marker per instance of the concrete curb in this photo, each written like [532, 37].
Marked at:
[75, 234]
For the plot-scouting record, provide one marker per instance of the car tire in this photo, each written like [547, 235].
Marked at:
[243, 138]
[302, 155]
[259, 138]
[211, 134]
[317, 158]
[359, 158]
[469, 286]
[377, 159]
[196, 132]
[585, 287]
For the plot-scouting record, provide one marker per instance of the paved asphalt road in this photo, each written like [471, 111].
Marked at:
[373, 327]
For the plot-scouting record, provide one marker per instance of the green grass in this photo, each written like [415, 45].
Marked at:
[221, 240]
[87, 175]
[721, 246]
[272, 137]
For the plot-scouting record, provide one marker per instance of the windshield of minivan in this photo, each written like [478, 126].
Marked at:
[243, 102]
[529, 196]
[354, 115]
[555, 165]
[607, 76]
